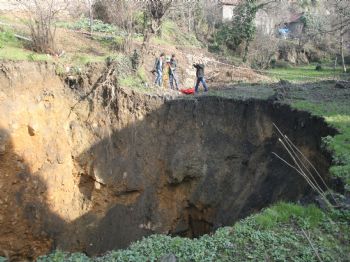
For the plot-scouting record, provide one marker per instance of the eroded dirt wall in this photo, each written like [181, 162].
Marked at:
[94, 174]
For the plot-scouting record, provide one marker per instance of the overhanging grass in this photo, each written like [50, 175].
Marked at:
[12, 49]
[135, 80]
[19, 54]
[337, 114]
[283, 212]
[81, 59]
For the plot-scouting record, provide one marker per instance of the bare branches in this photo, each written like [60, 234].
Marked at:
[41, 21]
[303, 167]
[155, 11]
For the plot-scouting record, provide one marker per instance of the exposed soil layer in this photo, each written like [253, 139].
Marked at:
[118, 167]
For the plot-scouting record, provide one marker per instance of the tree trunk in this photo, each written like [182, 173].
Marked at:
[246, 50]
[189, 19]
[145, 44]
[342, 44]
[342, 52]
[91, 17]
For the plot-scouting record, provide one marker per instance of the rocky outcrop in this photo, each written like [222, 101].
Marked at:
[94, 168]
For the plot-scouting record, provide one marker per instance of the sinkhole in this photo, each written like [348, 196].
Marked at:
[191, 166]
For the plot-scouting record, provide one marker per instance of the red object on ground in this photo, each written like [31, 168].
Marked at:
[188, 91]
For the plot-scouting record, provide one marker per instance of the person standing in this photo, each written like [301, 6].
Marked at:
[135, 60]
[200, 76]
[158, 68]
[172, 73]
[166, 72]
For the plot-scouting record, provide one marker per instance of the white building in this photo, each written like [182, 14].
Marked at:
[226, 8]
[263, 21]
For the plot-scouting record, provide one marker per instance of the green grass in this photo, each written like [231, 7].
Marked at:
[276, 234]
[12, 49]
[7, 38]
[306, 73]
[135, 81]
[337, 114]
[81, 59]
[283, 212]
[173, 35]
[84, 24]
[20, 54]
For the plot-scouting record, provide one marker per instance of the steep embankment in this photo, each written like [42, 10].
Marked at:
[94, 172]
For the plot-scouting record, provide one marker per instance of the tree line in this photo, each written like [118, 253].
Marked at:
[326, 23]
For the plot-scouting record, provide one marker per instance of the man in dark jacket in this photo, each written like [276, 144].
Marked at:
[200, 76]
[172, 73]
[158, 68]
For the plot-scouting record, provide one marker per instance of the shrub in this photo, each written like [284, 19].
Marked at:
[281, 64]
[118, 43]
[41, 22]
[97, 26]
[318, 67]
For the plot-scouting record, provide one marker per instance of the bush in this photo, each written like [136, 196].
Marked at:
[41, 21]
[118, 43]
[261, 54]
[214, 48]
[281, 64]
[318, 67]
[98, 26]
[347, 59]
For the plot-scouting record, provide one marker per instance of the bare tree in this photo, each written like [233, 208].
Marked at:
[155, 12]
[41, 20]
[341, 23]
[90, 4]
[261, 54]
[122, 13]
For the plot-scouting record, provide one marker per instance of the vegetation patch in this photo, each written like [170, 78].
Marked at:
[284, 232]
[172, 34]
[337, 114]
[12, 49]
[97, 26]
[306, 73]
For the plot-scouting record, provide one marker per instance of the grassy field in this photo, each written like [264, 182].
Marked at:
[307, 73]
[12, 49]
[337, 114]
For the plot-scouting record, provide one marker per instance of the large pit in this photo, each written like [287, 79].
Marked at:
[180, 167]
[194, 165]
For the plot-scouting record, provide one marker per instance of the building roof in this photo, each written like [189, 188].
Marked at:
[229, 2]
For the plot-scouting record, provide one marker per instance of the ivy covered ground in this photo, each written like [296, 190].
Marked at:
[283, 232]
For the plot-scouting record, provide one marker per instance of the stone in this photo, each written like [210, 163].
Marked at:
[2, 149]
[31, 131]
[3, 141]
